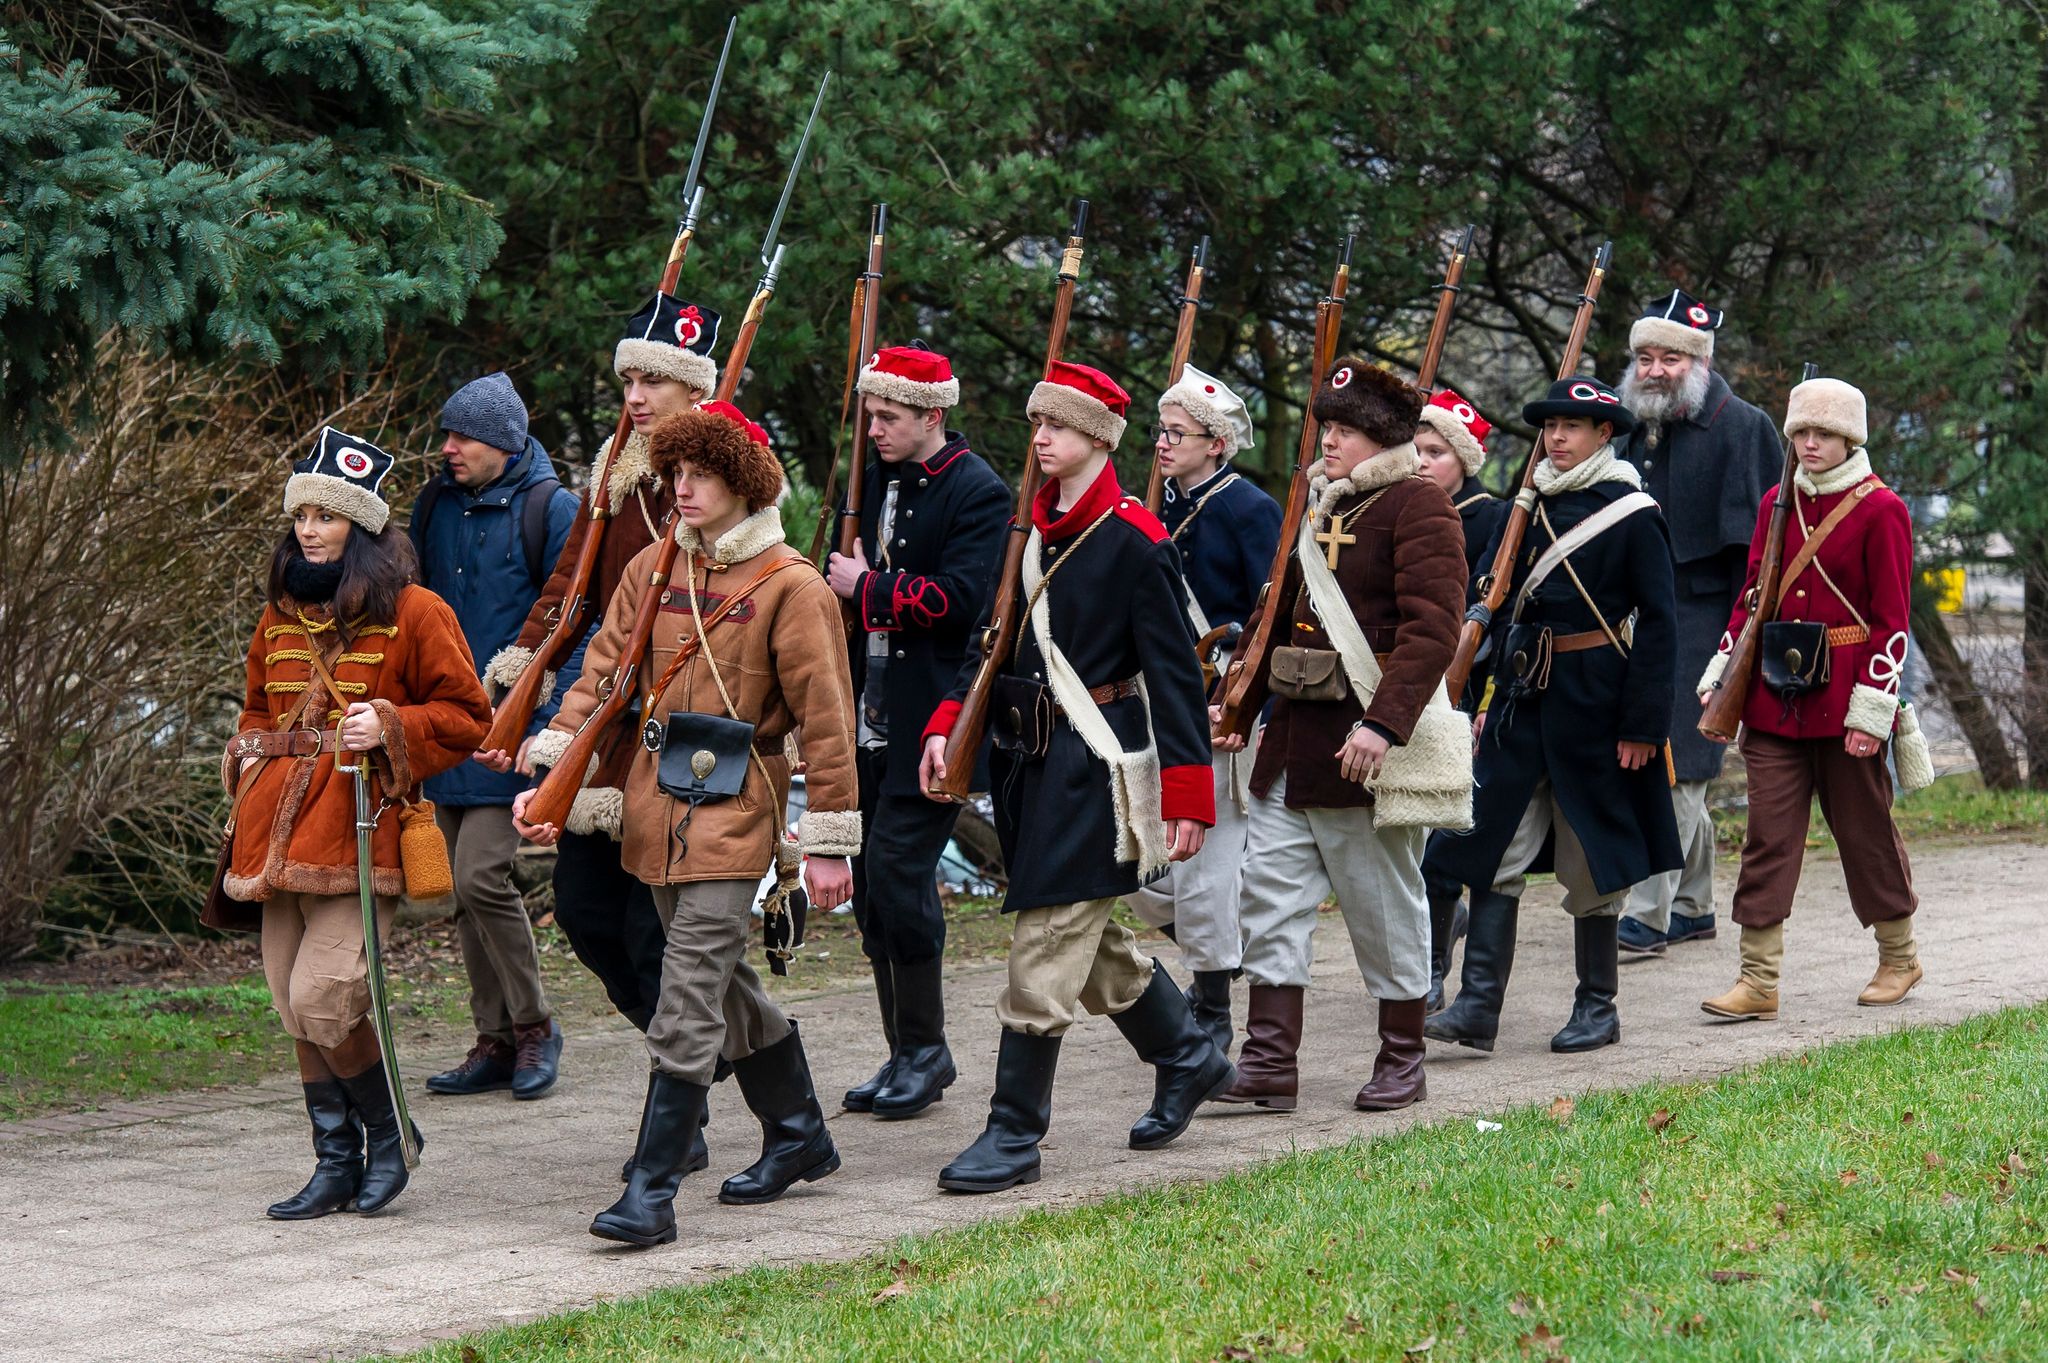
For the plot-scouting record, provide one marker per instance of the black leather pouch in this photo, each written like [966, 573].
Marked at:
[1524, 666]
[1794, 657]
[704, 757]
[1020, 716]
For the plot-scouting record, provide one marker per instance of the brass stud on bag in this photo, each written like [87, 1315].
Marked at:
[702, 762]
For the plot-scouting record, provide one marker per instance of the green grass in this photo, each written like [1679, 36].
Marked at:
[1879, 1199]
[64, 1047]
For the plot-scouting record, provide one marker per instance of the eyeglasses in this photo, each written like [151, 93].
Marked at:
[1173, 437]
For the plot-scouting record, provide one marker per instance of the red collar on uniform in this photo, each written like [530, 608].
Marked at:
[1105, 492]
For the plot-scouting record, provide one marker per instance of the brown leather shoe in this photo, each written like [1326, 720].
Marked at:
[1397, 1071]
[1889, 985]
[1266, 1071]
[1745, 1003]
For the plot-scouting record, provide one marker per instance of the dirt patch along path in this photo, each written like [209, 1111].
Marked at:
[149, 1240]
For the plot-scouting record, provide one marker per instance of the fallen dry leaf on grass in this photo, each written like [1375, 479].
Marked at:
[1932, 1160]
[1847, 1177]
[1956, 1275]
[1421, 1346]
[1561, 1110]
[896, 1289]
[1519, 1306]
[1541, 1342]
[1660, 1119]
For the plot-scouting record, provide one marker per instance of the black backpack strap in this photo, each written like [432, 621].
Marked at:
[533, 529]
[423, 512]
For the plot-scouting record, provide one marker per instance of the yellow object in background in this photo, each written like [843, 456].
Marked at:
[1948, 587]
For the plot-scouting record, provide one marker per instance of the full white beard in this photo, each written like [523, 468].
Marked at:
[1660, 403]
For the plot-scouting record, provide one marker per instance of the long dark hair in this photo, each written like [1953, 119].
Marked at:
[374, 570]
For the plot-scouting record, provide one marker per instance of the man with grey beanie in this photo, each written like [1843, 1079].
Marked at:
[487, 529]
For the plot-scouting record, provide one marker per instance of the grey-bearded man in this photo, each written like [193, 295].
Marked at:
[1708, 457]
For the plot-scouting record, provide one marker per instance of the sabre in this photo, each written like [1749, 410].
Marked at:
[373, 956]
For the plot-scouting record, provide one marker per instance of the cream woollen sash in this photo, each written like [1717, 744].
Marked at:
[1427, 781]
[1134, 785]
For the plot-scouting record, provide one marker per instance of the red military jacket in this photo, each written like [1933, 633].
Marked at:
[1858, 582]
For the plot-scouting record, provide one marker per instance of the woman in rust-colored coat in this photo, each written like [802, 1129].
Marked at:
[410, 705]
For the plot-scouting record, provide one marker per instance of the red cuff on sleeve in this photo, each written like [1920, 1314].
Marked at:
[941, 722]
[1186, 793]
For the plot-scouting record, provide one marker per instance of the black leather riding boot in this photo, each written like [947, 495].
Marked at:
[645, 1213]
[924, 1066]
[1006, 1152]
[795, 1146]
[1595, 1022]
[861, 1098]
[1473, 1019]
[337, 1153]
[1188, 1069]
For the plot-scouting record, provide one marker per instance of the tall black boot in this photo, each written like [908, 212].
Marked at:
[1473, 1019]
[1188, 1069]
[1209, 999]
[1447, 923]
[1596, 950]
[337, 1152]
[1006, 1152]
[384, 1171]
[645, 1213]
[861, 1098]
[924, 1066]
[699, 1154]
[795, 1146]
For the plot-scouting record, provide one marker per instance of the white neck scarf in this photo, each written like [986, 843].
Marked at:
[1601, 467]
[1840, 478]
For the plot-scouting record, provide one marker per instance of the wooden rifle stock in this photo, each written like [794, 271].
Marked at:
[1723, 713]
[1503, 570]
[1244, 684]
[856, 465]
[1440, 325]
[1183, 346]
[557, 793]
[1000, 638]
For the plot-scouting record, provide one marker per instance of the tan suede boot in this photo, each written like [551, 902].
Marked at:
[1898, 965]
[1755, 995]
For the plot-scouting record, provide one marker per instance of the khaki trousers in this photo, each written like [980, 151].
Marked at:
[1690, 889]
[1581, 898]
[712, 1003]
[1199, 897]
[1064, 957]
[1855, 793]
[1296, 858]
[491, 922]
[314, 963]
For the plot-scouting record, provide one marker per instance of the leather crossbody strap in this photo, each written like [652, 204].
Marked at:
[1811, 548]
[689, 647]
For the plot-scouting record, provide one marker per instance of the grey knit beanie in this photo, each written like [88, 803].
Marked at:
[488, 409]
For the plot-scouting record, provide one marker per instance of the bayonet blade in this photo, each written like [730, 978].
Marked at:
[704, 128]
[796, 164]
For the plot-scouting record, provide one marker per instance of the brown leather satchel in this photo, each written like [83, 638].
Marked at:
[1308, 674]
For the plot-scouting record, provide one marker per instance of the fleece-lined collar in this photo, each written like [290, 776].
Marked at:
[1840, 478]
[1601, 467]
[756, 534]
[1102, 494]
[1391, 465]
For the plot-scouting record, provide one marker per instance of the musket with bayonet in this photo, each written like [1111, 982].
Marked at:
[1243, 689]
[557, 792]
[514, 712]
[1183, 347]
[999, 636]
[1495, 584]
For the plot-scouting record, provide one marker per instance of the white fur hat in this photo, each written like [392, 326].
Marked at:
[1679, 322]
[1210, 402]
[1828, 405]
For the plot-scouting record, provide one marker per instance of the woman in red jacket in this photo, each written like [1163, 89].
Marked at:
[1820, 724]
[341, 616]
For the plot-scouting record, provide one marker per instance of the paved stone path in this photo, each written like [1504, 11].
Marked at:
[147, 1239]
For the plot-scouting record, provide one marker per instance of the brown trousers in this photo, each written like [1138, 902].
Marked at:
[313, 961]
[490, 921]
[712, 1001]
[1785, 775]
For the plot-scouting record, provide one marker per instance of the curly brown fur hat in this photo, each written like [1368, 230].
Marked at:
[1369, 399]
[715, 440]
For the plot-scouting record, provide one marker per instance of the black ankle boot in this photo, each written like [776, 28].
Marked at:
[924, 1066]
[1447, 923]
[337, 1152]
[645, 1213]
[861, 1098]
[384, 1171]
[699, 1156]
[1189, 1070]
[795, 1146]
[1209, 999]
[1473, 1019]
[1594, 1021]
[1006, 1152]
